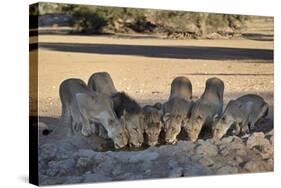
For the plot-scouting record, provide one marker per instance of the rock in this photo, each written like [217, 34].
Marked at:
[232, 163]
[191, 27]
[86, 153]
[183, 158]
[65, 150]
[172, 163]
[227, 140]
[270, 164]
[214, 141]
[270, 138]
[238, 159]
[206, 148]
[147, 165]
[63, 154]
[60, 168]
[106, 166]
[206, 161]
[98, 177]
[185, 146]
[52, 181]
[84, 163]
[255, 166]
[270, 133]
[73, 179]
[176, 172]
[225, 30]
[224, 151]
[214, 36]
[43, 128]
[237, 146]
[135, 177]
[237, 142]
[100, 156]
[265, 151]
[117, 170]
[47, 151]
[260, 144]
[227, 170]
[73, 161]
[124, 176]
[52, 172]
[141, 156]
[196, 170]
[42, 166]
[256, 138]
[42, 178]
[232, 145]
[147, 172]
[195, 158]
[267, 148]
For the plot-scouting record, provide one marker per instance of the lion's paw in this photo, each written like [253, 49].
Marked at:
[76, 126]
[86, 131]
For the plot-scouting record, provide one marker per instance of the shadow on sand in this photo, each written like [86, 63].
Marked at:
[178, 52]
[227, 74]
[258, 36]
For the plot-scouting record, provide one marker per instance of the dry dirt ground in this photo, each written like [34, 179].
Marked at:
[144, 68]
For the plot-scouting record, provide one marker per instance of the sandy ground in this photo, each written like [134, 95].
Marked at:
[144, 68]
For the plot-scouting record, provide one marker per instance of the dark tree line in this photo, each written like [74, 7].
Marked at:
[97, 19]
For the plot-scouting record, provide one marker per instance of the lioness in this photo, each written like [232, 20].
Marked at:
[127, 109]
[181, 87]
[176, 113]
[152, 124]
[207, 109]
[243, 113]
[130, 114]
[81, 107]
[102, 82]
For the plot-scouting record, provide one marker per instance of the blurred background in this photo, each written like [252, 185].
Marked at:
[83, 19]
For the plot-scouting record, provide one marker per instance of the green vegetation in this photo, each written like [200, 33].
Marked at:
[89, 19]
[96, 19]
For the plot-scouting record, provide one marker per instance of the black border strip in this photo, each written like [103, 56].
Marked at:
[33, 98]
